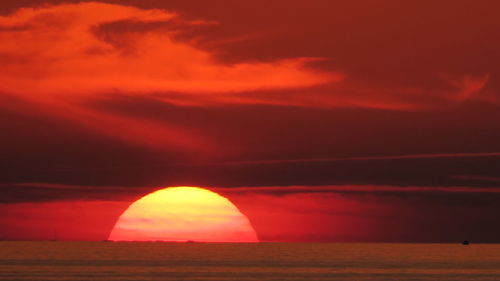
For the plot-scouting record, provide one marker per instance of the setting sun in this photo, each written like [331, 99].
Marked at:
[183, 214]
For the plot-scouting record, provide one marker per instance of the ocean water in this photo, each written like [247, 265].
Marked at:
[261, 261]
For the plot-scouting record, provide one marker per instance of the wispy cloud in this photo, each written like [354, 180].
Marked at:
[58, 57]
[62, 57]
[359, 189]
[477, 178]
[468, 87]
[364, 158]
[94, 48]
[41, 192]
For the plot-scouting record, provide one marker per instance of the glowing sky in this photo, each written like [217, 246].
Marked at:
[321, 120]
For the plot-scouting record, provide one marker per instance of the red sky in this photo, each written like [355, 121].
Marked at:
[321, 120]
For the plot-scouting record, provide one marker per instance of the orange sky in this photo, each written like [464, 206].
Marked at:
[103, 101]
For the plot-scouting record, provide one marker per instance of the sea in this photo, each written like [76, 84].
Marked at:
[253, 261]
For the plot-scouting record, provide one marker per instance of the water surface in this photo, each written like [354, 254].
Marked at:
[261, 261]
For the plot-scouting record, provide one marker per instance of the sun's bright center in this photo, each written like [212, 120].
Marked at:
[183, 214]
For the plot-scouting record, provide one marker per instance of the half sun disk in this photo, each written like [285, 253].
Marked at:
[183, 214]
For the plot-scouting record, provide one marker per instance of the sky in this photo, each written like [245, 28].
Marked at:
[321, 120]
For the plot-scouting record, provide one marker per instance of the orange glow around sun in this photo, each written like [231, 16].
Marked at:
[183, 214]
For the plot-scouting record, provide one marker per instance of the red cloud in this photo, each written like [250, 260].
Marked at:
[469, 87]
[94, 48]
[71, 51]
[59, 57]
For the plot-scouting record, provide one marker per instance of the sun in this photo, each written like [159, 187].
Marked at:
[183, 214]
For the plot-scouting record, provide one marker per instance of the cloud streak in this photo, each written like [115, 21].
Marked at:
[40, 192]
[364, 158]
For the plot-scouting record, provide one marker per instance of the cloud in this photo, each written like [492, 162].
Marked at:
[60, 57]
[477, 178]
[45, 192]
[354, 189]
[468, 87]
[94, 48]
[365, 158]
[89, 49]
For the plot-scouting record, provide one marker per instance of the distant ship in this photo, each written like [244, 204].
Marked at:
[466, 242]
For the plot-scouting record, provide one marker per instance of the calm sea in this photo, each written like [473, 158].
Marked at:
[264, 261]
